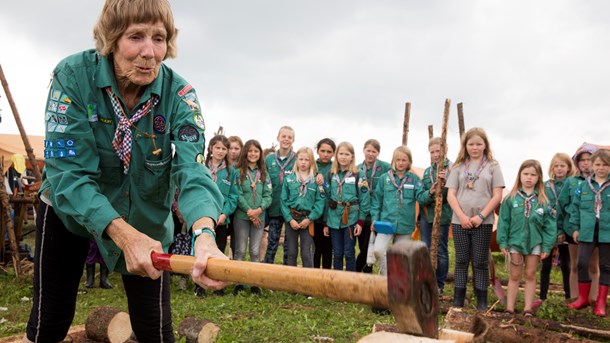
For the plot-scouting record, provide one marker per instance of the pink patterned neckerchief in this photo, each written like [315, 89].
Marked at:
[341, 181]
[123, 136]
[470, 180]
[303, 187]
[215, 169]
[399, 188]
[257, 178]
[554, 190]
[283, 166]
[598, 195]
[528, 202]
[373, 170]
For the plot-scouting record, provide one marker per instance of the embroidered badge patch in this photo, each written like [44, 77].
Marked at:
[60, 143]
[185, 90]
[55, 95]
[191, 100]
[200, 158]
[105, 120]
[159, 124]
[62, 108]
[92, 112]
[52, 106]
[69, 142]
[198, 119]
[62, 119]
[188, 133]
[65, 99]
[71, 152]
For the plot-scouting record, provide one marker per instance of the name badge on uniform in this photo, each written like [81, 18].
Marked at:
[351, 180]
[225, 181]
[287, 172]
[407, 186]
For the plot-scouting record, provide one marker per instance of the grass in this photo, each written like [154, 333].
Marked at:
[269, 317]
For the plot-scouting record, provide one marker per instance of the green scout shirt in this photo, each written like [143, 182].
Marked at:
[387, 205]
[372, 176]
[582, 212]
[227, 180]
[313, 200]
[324, 169]
[246, 199]
[274, 165]
[359, 198]
[521, 233]
[428, 205]
[84, 179]
[564, 200]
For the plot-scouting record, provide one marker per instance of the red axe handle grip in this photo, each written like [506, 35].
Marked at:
[351, 287]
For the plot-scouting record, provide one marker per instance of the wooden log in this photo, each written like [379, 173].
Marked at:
[198, 330]
[394, 337]
[430, 131]
[108, 324]
[438, 191]
[405, 124]
[494, 327]
[460, 108]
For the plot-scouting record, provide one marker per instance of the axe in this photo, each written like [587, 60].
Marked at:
[409, 291]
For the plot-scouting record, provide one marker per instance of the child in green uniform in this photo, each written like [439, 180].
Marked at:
[323, 254]
[427, 210]
[396, 193]
[590, 222]
[301, 205]
[347, 208]
[372, 168]
[560, 169]
[254, 197]
[235, 147]
[582, 161]
[279, 164]
[526, 232]
[225, 176]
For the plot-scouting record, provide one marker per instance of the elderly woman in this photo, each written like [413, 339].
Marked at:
[113, 117]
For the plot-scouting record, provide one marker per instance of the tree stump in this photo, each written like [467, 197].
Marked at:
[198, 330]
[108, 324]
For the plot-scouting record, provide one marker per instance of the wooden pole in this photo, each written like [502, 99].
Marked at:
[460, 108]
[24, 136]
[405, 125]
[438, 201]
[6, 212]
[430, 131]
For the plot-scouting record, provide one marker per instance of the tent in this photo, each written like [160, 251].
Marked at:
[13, 144]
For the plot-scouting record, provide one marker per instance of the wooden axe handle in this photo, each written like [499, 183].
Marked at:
[352, 287]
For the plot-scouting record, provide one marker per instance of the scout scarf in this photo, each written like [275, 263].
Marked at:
[303, 187]
[253, 182]
[554, 190]
[598, 196]
[528, 203]
[373, 170]
[283, 166]
[398, 187]
[471, 179]
[123, 136]
[340, 182]
[215, 169]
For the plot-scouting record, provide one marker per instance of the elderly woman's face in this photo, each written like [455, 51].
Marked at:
[139, 53]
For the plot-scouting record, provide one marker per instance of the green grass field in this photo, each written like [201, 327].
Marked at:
[269, 317]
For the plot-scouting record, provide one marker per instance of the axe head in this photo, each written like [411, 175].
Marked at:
[412, 288]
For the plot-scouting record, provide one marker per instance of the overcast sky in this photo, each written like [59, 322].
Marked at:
[534, 74]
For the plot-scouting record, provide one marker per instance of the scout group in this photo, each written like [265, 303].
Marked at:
[329, 204]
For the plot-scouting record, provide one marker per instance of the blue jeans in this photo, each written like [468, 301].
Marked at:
[443, 252]
[273, 240]
[344, 243]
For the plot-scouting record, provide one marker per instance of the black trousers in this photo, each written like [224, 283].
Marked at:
[545, 271]
[323, 247]
[585, 250]
[363, 245]
[58, 266]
